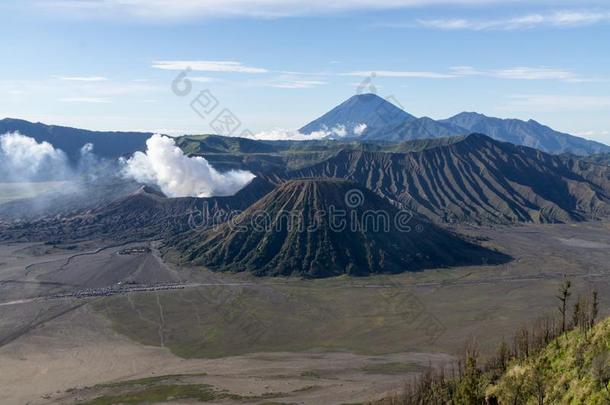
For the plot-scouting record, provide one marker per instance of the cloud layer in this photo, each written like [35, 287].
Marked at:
[521, 73]
[556, 19]
[340, 131]
[190, 9]
[511, 73]
[83, 78]
[207, 66]
[400, 74]
[165, 165]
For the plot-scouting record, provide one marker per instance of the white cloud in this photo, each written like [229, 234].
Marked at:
[557, 103]
[466, 71]
[296, 84]
[359, 129]
[514, 73]
[202, 79]
[400, 74]
[91, 100]
[196, 9]
[278, 134]
[339, 131]
[592, 134]
[575, 18]
[521, 73]
[207, 66]
[557, 19]
[526, 73]
[289, 80]
[83, 78]
[178, 175]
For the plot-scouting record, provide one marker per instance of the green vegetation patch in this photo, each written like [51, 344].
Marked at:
[148, 381]
[159, 394]
[276, 403]
[573, 369]
[165, 389]
[310, 374]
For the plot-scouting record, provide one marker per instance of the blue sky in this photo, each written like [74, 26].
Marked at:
[279, 64]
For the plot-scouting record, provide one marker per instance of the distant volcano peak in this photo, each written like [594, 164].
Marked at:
[361, 110]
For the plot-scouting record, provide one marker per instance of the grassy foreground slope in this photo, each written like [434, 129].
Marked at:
[574, 369]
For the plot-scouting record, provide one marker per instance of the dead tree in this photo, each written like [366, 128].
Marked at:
[564, 295]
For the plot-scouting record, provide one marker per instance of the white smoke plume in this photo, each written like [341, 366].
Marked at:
[24, 159]
[178, 175]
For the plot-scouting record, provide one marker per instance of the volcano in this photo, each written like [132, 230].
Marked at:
[325, 227]
[363, 109]
[381, 120]
[144, 214]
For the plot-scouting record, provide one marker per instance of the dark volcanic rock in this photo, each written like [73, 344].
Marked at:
[297, 230]
[145, 214]
[478, 180]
